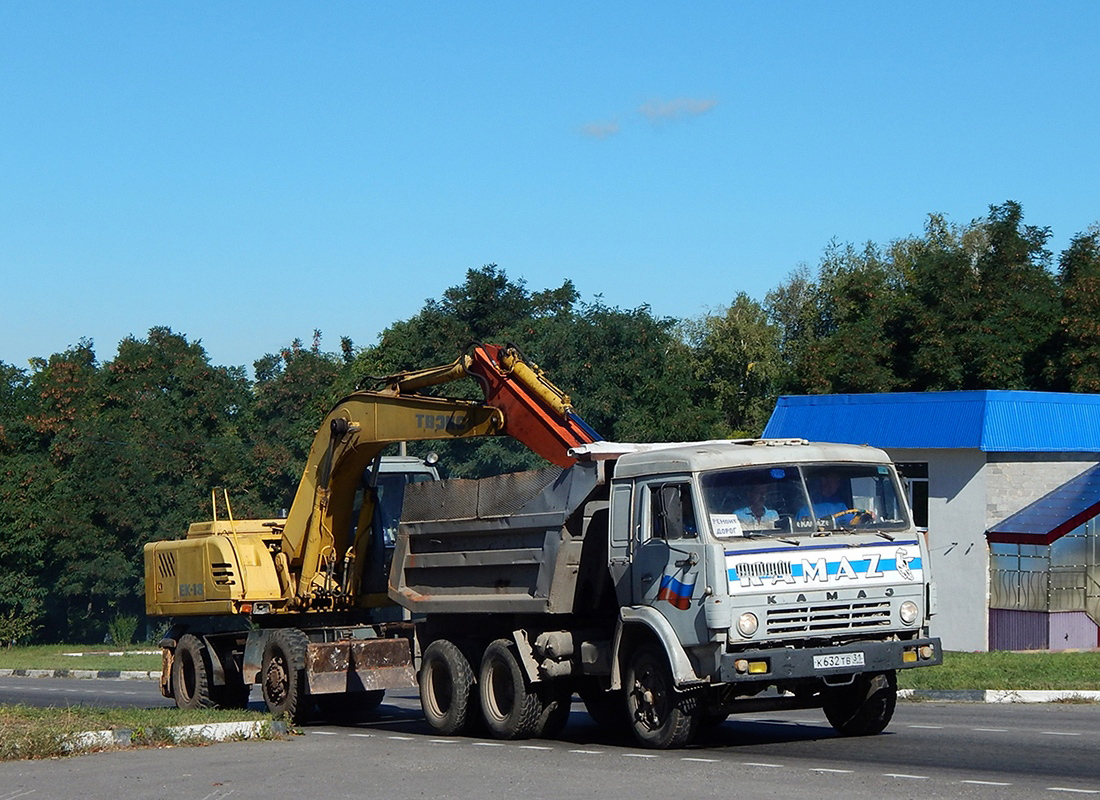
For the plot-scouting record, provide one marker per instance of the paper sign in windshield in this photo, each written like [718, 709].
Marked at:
[726, 525]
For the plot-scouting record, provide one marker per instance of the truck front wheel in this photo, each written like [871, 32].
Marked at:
[191, 674]
[447, 688]
[660, 716]
[283, 674]
[511, 708]
[865, 706]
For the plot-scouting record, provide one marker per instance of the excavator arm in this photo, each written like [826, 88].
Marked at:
[323, 546]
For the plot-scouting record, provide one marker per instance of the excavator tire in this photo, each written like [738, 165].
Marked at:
[511, 708]
[447, 692]
[283, 676]
[191, 674]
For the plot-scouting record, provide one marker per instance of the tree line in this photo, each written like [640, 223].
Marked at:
[99, 457]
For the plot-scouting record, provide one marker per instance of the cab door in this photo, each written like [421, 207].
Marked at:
[669, 570]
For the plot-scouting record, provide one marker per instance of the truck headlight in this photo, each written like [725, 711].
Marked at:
[747, 624]
[908, 612]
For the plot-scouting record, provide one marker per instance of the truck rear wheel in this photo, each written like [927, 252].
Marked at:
[447, 688]
[511, 708]
[283, 674]
[660, 716]
[191, 674]
[865, 706]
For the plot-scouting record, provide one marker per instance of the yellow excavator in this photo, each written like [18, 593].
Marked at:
[299, 605]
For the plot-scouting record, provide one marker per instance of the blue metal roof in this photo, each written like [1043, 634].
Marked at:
[998, 421]
[1055, 514]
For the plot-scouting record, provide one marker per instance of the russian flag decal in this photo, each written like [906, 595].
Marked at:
[676, 591]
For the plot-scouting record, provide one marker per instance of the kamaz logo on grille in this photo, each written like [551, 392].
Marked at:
[870, 566]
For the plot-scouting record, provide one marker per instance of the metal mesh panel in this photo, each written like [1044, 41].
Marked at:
[507, 494]
[432, 500]
[498, 496]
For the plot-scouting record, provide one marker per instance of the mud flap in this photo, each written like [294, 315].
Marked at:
[360, 665]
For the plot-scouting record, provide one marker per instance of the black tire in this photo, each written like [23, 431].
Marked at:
[660, 717]
[557, 702]
[510, 707]
[864, 707]
[191, 674]
[283, 676]
[349, 706]
[447, 693]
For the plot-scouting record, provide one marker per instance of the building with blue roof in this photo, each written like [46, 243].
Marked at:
[1007, 484]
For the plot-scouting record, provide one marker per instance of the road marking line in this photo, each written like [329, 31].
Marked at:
[588, 752]
[639, 755]
[991, 730]
[701, 760]
[986, 783]
[443, 741]
[401, 738]
[1059, 733]
[488, 744]
[928, 727]
[324, 733]
[903, 775]
[1077, 791]
[534, 747]
[362, 735]
[760, 764]
[836, 771]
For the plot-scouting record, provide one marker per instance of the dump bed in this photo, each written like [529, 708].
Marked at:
[507, 544]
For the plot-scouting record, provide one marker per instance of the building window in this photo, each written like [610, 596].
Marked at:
[915, 477]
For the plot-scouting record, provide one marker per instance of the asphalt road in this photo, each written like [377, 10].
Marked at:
[930, 750]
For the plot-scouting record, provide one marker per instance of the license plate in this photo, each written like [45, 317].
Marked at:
[835, 660]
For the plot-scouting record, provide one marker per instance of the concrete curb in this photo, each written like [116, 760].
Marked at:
[1002, 695]
[214, 732]
[103, 674]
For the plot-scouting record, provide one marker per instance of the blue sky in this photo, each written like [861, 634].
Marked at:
[247, 172]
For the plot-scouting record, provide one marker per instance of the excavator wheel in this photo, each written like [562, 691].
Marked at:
[283, 676]
[191, 674]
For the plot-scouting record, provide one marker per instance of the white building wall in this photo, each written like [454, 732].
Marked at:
[956, 540]
[1019, 479]
[968, 493]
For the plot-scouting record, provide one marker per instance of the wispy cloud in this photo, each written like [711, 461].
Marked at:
[657, 111]
[601, 130]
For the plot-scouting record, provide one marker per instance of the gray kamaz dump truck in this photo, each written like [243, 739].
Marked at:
[669, 586]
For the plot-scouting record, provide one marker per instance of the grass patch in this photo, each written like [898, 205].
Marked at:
[52, 656]
[27, 732]
[1003, 670]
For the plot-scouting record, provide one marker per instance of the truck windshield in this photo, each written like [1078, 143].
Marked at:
[802, 499]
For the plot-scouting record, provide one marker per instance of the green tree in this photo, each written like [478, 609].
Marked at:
[736, 356]
[1076, 366]
[293, 391]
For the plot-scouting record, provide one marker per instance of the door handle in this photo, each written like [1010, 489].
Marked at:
[647, 579]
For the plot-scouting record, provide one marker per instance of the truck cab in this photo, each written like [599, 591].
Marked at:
[778, 561]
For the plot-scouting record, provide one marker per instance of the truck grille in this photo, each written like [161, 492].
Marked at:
[831, 617]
